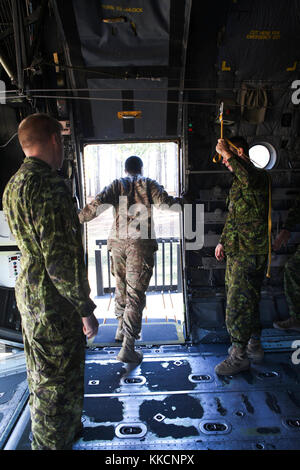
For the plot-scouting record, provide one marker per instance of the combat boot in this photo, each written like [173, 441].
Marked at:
[254, 350]
[236, 362]
[119, 333]
[291, 323]
[128, 354]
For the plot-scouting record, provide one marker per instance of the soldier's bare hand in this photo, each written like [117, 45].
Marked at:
[219, 252]
[281, 239]
[81, 217]
[223, 149]
[90, 326]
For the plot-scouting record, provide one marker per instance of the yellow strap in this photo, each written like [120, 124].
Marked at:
[221, 119]
[217, 158]
[269, 230]
[230, 143]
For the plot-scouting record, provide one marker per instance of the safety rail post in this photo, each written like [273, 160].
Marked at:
[179, 269]
[108, 272]
[163, 264]
[171, 263]
[155, 270]
[99, 274]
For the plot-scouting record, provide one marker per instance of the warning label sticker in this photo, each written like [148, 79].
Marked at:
[262, 34]
[123, 9]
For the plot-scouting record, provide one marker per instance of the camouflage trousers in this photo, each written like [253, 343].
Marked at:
[292, 283]
[132, 266]
[243, 280]
[55, 356]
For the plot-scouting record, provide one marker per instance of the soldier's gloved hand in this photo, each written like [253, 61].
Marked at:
[281, 239]
[219, 252]
[90, 326]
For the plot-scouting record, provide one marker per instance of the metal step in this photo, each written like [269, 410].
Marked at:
[154, 331]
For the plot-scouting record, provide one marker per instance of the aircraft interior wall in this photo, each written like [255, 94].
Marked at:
[218, 72]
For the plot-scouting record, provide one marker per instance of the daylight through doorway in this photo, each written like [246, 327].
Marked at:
[104, 163]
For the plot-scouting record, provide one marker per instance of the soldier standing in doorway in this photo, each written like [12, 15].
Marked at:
[52, 290]
[132, 244]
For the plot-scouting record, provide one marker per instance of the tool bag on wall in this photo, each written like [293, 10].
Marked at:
[253, 103]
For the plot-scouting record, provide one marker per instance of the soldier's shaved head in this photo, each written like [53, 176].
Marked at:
[133, 165]
[37, 129]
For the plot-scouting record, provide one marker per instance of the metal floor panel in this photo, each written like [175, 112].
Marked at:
[153, 332]
[13, 396]
[174, 400]
[13, 386]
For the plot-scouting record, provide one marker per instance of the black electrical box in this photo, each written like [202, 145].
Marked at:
[9, 314]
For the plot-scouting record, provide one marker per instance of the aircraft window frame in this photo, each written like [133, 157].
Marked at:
[272, 155]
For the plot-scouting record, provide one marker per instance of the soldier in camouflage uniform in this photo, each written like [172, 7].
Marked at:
[52, 289]
[291, 271]
[132, 244]
[244, 241]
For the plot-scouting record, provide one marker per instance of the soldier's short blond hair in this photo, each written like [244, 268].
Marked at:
[37, 129]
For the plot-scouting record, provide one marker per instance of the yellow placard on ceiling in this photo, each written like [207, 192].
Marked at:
[129, 114]
[263, 34]
[119, 8]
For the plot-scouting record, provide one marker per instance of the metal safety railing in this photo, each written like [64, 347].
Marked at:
[167, 271]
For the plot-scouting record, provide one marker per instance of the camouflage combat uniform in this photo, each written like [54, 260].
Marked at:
[131, 241]
[52, 294]
[245, 241]
[292, 267]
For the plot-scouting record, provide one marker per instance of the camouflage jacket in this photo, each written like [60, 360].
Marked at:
[42, 217]
[246, 227]
[132, 199]
[293, 217]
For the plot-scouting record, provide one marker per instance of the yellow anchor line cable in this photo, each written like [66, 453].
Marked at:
[269, 230]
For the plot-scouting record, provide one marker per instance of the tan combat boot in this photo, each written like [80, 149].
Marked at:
[119, 333]
[236, 362]
[291, 323]
[254, 350]
[128, 354]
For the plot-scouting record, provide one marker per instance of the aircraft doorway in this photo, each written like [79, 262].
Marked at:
[163, 316]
